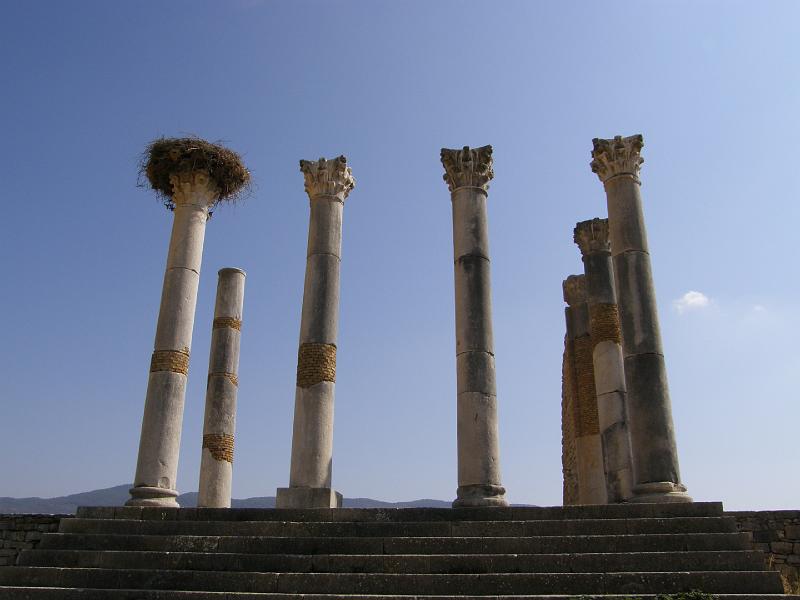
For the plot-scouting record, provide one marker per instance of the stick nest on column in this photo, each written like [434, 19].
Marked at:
[166, 156]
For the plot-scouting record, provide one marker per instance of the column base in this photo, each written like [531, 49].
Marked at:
[480, 495]
[660, 492]
[153, 496]
[304, 497]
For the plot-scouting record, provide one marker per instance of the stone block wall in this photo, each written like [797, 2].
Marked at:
[22, 532]
[777, 534]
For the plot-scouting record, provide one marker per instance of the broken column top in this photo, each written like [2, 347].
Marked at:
[574, 288]
[592, 236]
[468, 167]
[617, 156]
[327, 178]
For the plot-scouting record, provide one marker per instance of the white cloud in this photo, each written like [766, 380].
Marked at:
[691, 300]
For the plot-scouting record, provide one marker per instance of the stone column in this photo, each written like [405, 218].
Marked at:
[656, 475]
[609, 371]
[588, 445]
[159, 445]
[569, 468]
[219, 426]
[327, 183]
[467, 173]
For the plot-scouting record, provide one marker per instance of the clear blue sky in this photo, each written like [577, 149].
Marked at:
[713, 86]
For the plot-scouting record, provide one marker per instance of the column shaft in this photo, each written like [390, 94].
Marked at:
[569, 451]
[328, 184]
[656, 474]
[219, 426]
[609, 371]
[159, 445]
[478, 444]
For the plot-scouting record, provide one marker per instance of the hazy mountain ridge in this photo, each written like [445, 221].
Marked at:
[117, 495]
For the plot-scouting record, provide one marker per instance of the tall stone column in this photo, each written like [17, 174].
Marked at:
[656, 475]
[609, 371]
[569, 467]
[327, 183]
[159, 445]
[219, 426]
[467, 173]
[588, 445]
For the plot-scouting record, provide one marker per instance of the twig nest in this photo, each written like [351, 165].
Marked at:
[173, 156]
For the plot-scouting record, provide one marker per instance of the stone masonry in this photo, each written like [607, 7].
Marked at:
[23, 532]
[777, 534]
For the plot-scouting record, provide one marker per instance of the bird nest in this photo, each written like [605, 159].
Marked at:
[170, 156]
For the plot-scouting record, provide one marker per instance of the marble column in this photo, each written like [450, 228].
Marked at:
[157, 466]
[327, 183]
[467, 173]
[656, 475]
[609, 371]
[588, 444]
[219, 426]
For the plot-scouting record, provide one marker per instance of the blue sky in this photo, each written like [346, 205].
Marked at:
[713, 87]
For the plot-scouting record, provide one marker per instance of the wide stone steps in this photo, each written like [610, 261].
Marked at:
[751, 582]
[423, 529]
[403, 545]
[408, 563]
[497, 553]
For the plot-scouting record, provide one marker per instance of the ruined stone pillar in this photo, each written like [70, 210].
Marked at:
[327, 183]
[609, 371]
[159, 444]
[588, 445]
[219, 426]
[656, 475]
[569, 467]
[467, 173]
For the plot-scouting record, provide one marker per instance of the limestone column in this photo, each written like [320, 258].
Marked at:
[467, 173]
[609, 371]
[656, 475]
[157, 467]
[588, 445]
[327, 183]
[569, 468]
[219, 426]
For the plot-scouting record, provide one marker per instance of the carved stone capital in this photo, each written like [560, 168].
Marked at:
[468, 167]
[592, 236]
[193, 187]
[324, 177]
[618, 156]
[574, 288]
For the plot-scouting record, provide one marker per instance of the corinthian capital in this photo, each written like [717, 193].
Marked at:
[331, 178]
[468, 167]
[592, 236]
[574, 288]
[618, 156]
[193, 187]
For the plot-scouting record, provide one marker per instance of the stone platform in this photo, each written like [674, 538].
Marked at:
[280, 554]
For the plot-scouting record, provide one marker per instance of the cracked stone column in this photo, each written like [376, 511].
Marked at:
[588, 445]
[219, 426]
[157, 467]
[569, 468]
[327, 183]
[656, 475]
[609, 371]
[467, 173]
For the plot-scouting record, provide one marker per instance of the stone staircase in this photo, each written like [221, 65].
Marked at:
[263, 554]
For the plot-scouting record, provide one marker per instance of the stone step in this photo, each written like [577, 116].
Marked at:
[402, 545]
[405, 529]
[514, 513]
[443, 563]
[750, 582]
[30, 593]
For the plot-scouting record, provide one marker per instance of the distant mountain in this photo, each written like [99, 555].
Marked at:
[117, 495]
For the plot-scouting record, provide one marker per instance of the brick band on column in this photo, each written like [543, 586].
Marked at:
[230, 322]
[587, 422]
[315, 363]
[232, 377]
[175, 361]
[604, 323]
[220, 445]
